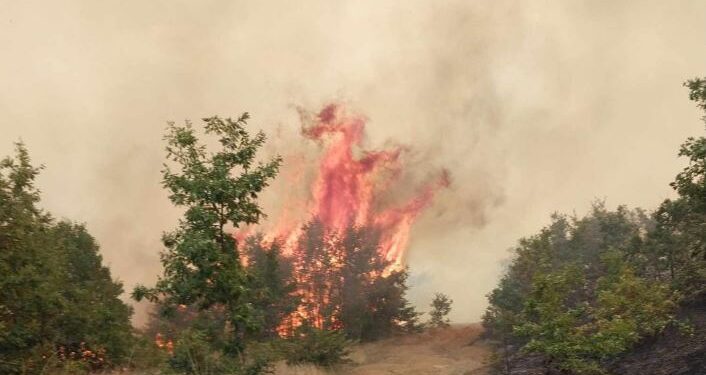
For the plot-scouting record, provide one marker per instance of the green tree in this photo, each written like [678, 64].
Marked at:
[551, 321]
[560, 296]
[680, 238]
[56, 297]
[440, 309]
[94, 317]
[30, 298]
[201, 262]
[325, 348]
[628, 309]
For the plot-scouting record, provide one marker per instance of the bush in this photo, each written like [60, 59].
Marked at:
[440, 309]
[316, 346]
[145, 355]
[194, 355]
[581, 293]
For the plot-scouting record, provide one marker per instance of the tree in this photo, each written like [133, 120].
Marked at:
[201, 262]
[29, 295]
[58, 304]
[389, 310]
[580, 292]
[273, 295]
[681, 223]
[94, 318]
[628, 309]
[440, 309]
[317, 267]
[551, 321]
[345, 283]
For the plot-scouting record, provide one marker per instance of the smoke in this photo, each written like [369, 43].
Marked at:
[532, 106]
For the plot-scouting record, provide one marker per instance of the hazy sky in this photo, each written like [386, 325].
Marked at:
[533, 106]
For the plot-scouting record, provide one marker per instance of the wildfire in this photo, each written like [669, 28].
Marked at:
[348, 184]
[349, 190]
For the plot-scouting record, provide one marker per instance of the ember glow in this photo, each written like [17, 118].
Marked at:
[349, 183]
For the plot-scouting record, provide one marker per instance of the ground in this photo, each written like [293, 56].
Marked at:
[452, 351]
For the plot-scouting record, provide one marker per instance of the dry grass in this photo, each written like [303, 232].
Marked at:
[452, 351]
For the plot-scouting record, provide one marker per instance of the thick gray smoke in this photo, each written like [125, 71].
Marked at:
[534, 107]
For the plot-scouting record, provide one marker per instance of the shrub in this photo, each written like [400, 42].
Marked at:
[440, 309]
[316, 346]
[194, 355]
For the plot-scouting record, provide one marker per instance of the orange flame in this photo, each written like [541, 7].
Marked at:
[346, 188]
[165, 344]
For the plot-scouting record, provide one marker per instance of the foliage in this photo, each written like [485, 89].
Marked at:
[585, 290]
[201, 263]
[391, 312]
[273, 286]
[93, 312]
[551, 323]
[59, 307]
[194, 354]
[145, 355]
[680, 236]
[440, 309]
[573, 295]
[629, 308]
[335, 284]
[316, 346]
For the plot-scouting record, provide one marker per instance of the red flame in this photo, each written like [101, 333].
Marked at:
[349, 182]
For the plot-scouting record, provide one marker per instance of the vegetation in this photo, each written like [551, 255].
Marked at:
[324, 348]
[202, 265]
[344, 284]
[273, 286]
[585, 290]
[578, 295]
[216, 295]
[440, 309]
[59, 306]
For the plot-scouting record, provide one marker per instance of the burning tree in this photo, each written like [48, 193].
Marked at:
[348, 252]
[202, 266]
[273, 287]
[345, 283]
[341, 269]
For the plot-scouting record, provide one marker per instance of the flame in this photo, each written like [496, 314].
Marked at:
[165, 344]
[346, 189]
